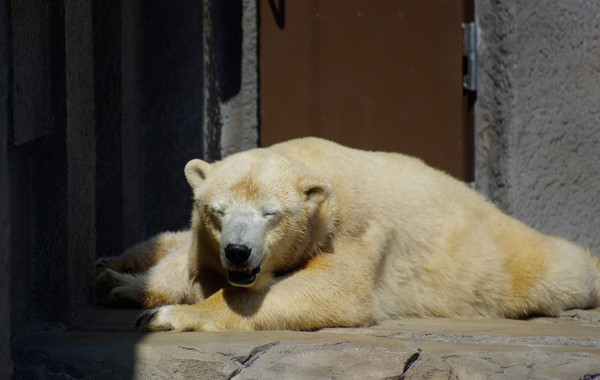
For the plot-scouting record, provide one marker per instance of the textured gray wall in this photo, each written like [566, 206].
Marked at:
[38, 168]
[51, 169]
[5, 354]
[105, 104]
[538, 114]
[231, 65]
[81, 153]
[238, 111]
[162, 104]
[189, 88]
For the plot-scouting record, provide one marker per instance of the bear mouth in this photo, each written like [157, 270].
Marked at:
[242, 277]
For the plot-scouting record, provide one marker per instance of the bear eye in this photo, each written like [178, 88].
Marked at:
[270, 212]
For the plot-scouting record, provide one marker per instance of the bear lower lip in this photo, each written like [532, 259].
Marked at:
[242, 277]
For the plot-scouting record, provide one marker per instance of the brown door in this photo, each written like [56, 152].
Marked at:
[377, 75]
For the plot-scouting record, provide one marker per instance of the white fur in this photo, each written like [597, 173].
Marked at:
[359, 237]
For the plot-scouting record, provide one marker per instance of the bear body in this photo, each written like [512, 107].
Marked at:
[309, 234]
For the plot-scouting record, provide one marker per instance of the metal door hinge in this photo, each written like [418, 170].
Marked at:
[469, 48]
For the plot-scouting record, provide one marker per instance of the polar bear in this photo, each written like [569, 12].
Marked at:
[309, 234]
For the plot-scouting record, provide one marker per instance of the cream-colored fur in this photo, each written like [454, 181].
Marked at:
[343, 237]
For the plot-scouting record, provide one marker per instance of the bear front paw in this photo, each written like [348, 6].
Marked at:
[145, 322]
[189, 318]
[165, 318]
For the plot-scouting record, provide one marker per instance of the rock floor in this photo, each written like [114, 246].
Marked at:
[102, 345]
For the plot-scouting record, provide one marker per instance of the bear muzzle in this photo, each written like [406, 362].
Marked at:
[240, 273]
[237, 254]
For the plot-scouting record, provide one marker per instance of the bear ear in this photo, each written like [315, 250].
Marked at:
[317, 192]
[196, 172]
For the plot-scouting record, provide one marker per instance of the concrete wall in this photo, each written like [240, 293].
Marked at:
[162, 106]
[105, 102]
[235, 46]
[538, 114]
[5, 356]
[38, 167]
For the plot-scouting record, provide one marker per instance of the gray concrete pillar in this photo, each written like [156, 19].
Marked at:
[38, 167]
[106, 25]
[5, 352]
[189, 90]
[162, 105]
[81, 152]
[231, 111]
[51, 169]
[538, 113]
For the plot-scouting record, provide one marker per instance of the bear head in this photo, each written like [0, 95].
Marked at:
[259, 212]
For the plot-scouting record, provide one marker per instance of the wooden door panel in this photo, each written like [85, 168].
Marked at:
[378, 75]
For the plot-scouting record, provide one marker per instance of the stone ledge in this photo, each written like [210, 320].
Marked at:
[102, 345]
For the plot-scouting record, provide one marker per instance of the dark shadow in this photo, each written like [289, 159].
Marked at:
[228, 34]
[135, 68]
[244, 302]
[100, 344]
[278, 12]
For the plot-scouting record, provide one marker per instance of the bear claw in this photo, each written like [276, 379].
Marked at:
[143, 322]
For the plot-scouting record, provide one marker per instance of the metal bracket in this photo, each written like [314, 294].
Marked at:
[469, 48]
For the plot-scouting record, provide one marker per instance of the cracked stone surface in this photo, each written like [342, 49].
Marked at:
[102, 345]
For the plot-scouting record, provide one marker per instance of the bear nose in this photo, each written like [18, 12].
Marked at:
[237, 253]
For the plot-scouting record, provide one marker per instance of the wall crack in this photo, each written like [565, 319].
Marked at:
[407, 365]
[246, 362]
